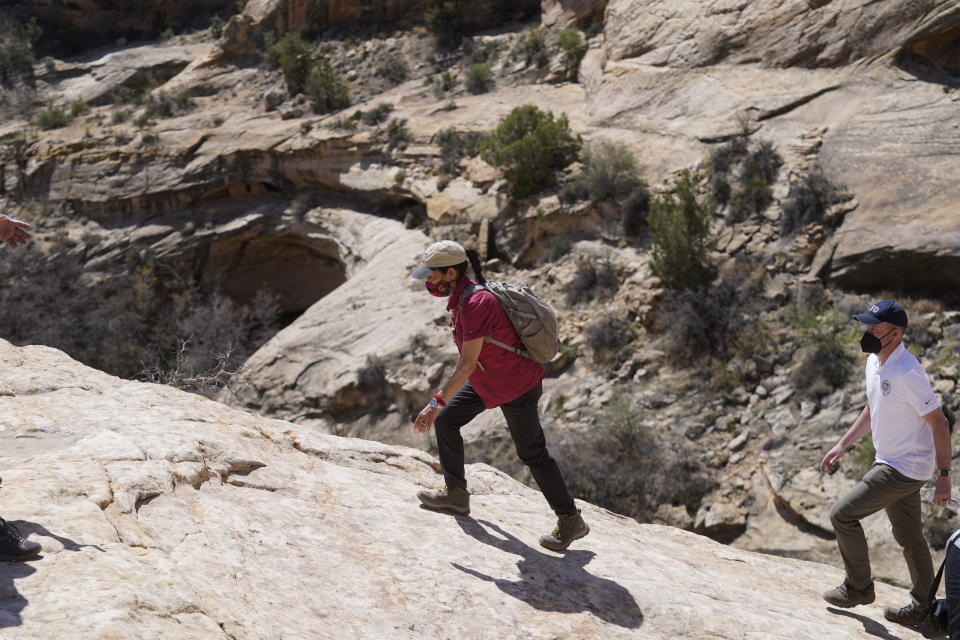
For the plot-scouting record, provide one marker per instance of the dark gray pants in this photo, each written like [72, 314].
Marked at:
[523, 419]
[883, 487]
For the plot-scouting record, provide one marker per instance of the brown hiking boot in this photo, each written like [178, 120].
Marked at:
[847, 596]
[452, 499]
[570, 527]
[908, 616]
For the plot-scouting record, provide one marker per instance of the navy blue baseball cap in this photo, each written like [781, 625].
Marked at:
[884, 311]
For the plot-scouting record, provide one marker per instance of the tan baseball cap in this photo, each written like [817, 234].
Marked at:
[445, 253]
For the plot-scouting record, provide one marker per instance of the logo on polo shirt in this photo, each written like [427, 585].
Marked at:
[885, 387]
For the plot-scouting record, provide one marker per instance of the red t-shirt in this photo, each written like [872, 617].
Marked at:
[501, 376]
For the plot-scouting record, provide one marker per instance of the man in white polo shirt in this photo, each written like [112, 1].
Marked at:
[912, 440]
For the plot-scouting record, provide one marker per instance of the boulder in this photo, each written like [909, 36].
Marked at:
[134, 68]
[560, 14]
[692, 33]
[369, 348]
[165, 515]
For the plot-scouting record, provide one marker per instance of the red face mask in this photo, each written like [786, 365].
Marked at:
[441, 289]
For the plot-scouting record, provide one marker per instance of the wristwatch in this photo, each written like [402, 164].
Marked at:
[944, 473]
[433, 403]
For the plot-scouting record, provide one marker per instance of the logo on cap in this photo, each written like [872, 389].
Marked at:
[874, 309]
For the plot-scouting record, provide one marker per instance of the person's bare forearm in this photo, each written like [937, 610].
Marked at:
[859, 428]
[459, 378]
[941, 440]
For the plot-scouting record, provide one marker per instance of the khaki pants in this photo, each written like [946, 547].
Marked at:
[883, 487]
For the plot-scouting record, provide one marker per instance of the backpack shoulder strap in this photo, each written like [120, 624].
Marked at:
[467, 292]
[936, 584]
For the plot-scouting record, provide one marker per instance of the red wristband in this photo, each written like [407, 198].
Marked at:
[439, 400]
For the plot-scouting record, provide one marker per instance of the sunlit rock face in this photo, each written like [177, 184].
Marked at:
[163, 514]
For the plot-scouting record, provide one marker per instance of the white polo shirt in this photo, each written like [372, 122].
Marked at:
[899, 395]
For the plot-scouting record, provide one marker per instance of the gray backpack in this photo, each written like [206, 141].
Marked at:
[532, 318]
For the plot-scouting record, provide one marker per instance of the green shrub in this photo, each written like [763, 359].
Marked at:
[608, 337]
[610, 172]
[399, 177]
[680, 225]
[164, 105]
[535, 46]
[393, 68]
[651, 468]
[712, 320]
[457, 145]
[592, 281]
[326, 89]
[120, 116]
[635, 210]
[142, 120]
[478, 79]
[444, 20]
[397, 134]
[808, 200]
[443, 84]
[127, 95]
[53, 117]
[78, 107]
[17, 42]
[825, 361]
[216, 26]
[758, 171]
[293, 55]
[573, 48]
[377, 115]
[529, 145]
[559, 247]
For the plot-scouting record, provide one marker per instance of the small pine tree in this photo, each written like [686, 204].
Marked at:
[293, 55]
[680, 227]
[529, 145]
[445, 21]
[326, 89]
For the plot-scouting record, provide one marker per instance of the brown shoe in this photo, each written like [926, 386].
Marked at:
[570, 527]
[847, 596]
[908, 616]
[452, 499]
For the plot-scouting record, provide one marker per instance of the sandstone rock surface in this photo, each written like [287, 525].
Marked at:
[690, 33]
[560, 14]
[371, 346]
[166, 515]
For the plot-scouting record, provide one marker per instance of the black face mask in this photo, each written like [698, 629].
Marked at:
[870, 343]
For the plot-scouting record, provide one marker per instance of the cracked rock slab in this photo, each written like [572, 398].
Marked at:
[207, 522]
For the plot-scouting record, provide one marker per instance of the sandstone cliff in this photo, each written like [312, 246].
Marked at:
[249, 187]
[165, 515]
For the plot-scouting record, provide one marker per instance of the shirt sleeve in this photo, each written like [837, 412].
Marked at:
[479, 313]
[919, 393]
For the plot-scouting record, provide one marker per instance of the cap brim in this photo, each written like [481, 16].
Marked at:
[866, 318]
[422, 272]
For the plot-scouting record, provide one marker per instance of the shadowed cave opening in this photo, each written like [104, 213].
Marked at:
[935, 58]
[296, 270]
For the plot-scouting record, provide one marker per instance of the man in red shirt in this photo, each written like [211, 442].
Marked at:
[487, 376]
